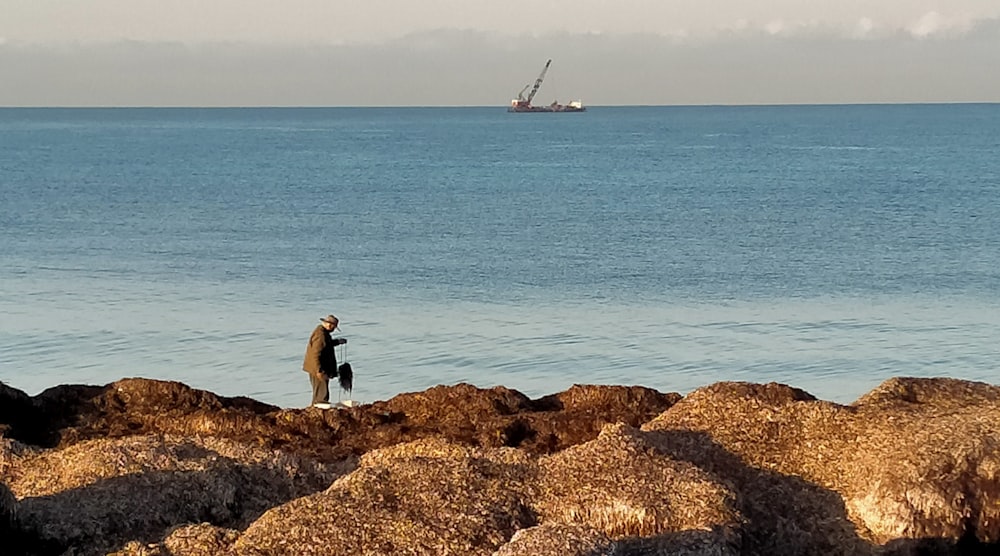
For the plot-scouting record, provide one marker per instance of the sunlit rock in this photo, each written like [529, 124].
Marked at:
[425, 497]
[93, 495]
[911, 466]
[558, 539]
[201, 539]
[622, 486]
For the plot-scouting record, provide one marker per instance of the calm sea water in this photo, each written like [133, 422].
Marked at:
[828, 247]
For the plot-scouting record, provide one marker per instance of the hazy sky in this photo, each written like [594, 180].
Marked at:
[334, 21]
[461, 52]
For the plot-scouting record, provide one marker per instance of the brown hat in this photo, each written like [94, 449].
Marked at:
[330, 319]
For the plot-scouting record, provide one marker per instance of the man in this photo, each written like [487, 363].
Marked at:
[320, 361]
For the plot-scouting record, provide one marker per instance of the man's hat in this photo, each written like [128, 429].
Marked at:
[330, 319]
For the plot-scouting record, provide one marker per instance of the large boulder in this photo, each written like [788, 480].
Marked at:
[94, 496]
[11, 537]
[134, 406]
[622, 486]
[578, 415]
[425, 497]
[18, 415]
[8, 512]
[925, 466]
[911, 466]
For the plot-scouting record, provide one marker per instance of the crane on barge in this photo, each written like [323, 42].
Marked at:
[523, 104]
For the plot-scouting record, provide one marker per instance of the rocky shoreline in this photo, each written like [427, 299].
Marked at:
[146, 467]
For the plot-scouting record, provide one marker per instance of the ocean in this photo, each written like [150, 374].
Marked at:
[826, 247]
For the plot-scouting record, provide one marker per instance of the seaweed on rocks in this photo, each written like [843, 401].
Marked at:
[155, 468]
[558, 539]
[201, 539]
[429, 496]
[913, 464]
[480, 417]
[92, 496]
[621, 485]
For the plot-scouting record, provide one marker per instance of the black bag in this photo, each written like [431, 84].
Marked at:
[345, 374]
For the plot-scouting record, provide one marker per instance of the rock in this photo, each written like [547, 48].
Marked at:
[463, 413]
[95, 495]
[462, 405]
[160, 469]
[426, 497]
[942, 393]
[500, 417]
[912, 465]
[925, 464]
[433, 496]
[8, 512]
[577, 415]
[136, 406]
[203, 539]
[622, 486]
[558, 539]
[18, 414]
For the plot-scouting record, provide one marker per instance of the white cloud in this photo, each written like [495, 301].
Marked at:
[864, 27]
[738, 25]
[775, 27]
[797, 29]
[934, 24]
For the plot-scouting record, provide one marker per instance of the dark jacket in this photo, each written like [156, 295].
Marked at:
[319, 353]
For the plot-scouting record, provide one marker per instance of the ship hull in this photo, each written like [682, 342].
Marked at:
[558, 108]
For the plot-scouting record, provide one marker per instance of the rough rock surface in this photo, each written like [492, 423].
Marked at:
[484, 417]
[203, 539]
[90, 496]
[436, 497]
[16, 413]
[912, 466]
[622, 486]
[558, 539]
[425, 497]
[153, 468]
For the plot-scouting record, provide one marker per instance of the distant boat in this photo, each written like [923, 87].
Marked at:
[523, 104]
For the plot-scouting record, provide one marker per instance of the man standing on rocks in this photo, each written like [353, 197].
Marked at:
[320, 361]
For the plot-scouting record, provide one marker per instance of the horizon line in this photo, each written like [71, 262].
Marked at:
[491, 106]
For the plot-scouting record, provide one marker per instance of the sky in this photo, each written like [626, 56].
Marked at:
[481, 52]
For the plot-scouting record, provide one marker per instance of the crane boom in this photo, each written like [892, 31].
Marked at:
[520, 96]
[538, 82]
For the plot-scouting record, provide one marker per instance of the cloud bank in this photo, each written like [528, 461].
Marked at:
[782, 62]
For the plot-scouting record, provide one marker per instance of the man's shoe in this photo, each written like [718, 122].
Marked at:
[322, 405]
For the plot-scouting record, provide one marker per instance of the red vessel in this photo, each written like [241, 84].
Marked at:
[523, 104]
